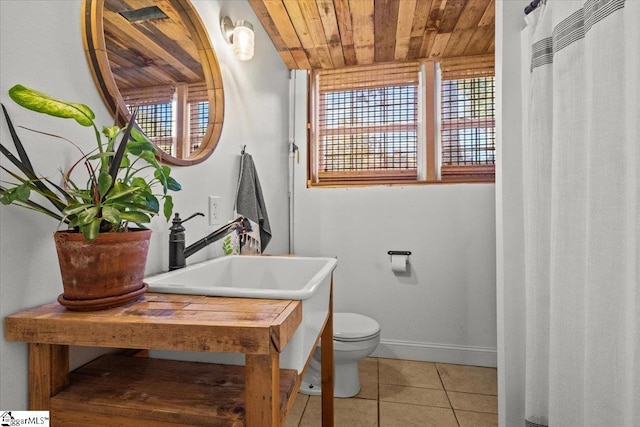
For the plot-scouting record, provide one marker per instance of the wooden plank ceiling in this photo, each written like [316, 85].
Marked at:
[328, 34]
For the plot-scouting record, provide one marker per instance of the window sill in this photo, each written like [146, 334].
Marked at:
[346, 184]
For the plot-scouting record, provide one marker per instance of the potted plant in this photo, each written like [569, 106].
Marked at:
[102, 258]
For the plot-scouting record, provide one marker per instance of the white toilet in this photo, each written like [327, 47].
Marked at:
[354, 337]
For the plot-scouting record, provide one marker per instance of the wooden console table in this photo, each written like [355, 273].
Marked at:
[124, 390]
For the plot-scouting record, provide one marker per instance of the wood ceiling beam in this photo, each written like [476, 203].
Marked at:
[385, 27]
[362, 12]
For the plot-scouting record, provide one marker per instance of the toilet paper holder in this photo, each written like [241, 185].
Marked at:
[399, 261]
[399, 253]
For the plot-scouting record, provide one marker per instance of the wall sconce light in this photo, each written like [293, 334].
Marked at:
[240, 35]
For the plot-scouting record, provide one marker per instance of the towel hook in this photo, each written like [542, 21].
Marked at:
[243, 148]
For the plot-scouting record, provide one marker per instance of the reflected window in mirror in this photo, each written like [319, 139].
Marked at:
[177, 128]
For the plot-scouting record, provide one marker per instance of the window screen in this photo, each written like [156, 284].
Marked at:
[156, 115]
[198, 120]
[198, 115]
[367, 123]
[468, 127]
[156, 121]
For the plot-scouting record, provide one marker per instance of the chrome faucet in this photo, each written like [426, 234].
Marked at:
[177, 251]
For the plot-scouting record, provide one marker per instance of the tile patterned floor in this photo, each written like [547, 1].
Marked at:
[408, 393]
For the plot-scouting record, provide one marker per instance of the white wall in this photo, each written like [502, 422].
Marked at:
[41, 47]
[509, 214]
[445, 309]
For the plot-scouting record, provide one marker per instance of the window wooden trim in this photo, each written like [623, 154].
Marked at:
[373, 176]
[462, 67]
[380, 128]
[481, 122]
[468, 171]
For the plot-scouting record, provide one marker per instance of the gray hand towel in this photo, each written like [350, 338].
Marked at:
[250, 201]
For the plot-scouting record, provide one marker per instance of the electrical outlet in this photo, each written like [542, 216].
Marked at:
[214, 210]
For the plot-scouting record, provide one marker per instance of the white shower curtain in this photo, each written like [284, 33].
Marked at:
[581, 168]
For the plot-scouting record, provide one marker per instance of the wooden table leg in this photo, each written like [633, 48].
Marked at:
[262, 389]
[326, 367]
[48, 373]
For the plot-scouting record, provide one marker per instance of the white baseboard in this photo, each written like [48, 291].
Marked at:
[442, 353]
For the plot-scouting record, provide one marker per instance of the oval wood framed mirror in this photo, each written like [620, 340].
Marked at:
[156, 55]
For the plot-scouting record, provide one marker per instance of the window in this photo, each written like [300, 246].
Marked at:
[367, 126]
[378, 124]
[467, 129]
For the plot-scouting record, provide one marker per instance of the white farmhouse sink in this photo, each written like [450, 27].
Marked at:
[274, 277]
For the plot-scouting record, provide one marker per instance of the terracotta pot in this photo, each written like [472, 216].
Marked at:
[105, 273]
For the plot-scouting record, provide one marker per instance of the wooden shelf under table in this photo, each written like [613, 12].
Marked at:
[259, 328]
[143, 392]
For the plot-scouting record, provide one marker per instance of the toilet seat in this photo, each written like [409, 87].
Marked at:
[350, 327]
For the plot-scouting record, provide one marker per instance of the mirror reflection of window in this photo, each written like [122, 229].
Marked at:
[176, 128]
[198, 113]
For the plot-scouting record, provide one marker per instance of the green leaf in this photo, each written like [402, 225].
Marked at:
[168, 207]
[111, 214]
[152, 202]
[121, 191]
[43, 103]
[137, 147]
[84, 195]
[28, 204]
[162, 177]
[90, 231]
[133, 206]
[73, 223]
[173, 185]
[140, 183]
[88, 215]
[125, 162]
[137, 217]
[110, 131]
[19, 192]
[104, 184]
[168, 183]
[8, 196]
[138, 136]
[23, 192]
[226, 245]
[75, 208]
[149, 157]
